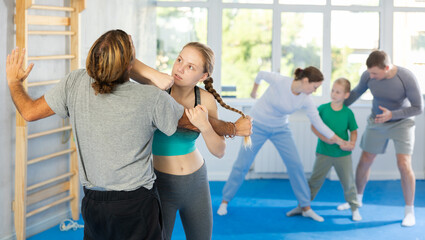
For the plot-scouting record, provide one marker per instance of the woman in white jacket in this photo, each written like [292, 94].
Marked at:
[270, 121]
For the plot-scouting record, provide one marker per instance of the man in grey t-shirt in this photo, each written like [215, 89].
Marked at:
[396, 100]
[113, 123]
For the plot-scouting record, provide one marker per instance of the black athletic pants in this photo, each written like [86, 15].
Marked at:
[126, 215]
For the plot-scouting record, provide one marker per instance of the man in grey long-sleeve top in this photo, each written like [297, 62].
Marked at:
[396, 100]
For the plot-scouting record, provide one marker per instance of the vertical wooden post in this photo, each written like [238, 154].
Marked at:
[75, 39]
[74, 183]
[21, 145]
[75, 64]
[19, 205]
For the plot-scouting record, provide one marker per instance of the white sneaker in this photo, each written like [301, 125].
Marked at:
[356, 215]
[296, 211]
[311, 214]
[346, 206]
[222, 210]
[409, 220]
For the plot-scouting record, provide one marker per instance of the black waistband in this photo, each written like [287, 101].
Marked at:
[119, 195]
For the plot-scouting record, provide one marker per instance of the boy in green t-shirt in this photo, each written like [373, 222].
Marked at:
[340, 119]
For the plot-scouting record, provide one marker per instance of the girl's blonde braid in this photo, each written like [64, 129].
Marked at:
[209, 87]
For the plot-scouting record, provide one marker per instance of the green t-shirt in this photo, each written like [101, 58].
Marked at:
[340, 122]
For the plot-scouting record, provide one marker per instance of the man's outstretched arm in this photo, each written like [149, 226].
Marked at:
[29, 109]
[242, 127]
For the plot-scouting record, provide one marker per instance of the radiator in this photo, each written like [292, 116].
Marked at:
[268, 159]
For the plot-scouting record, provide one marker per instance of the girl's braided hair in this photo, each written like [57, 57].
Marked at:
[209, 87]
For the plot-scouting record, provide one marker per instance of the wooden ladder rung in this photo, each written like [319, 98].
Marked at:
[47, 193]
[69, 198]
[52, 8]
[62, 129]
[51, 57]
[32, 187]
[42, 83]
[56, 154]
[51, 33]
[48, 20]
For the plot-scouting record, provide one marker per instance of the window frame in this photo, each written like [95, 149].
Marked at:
[385, 9]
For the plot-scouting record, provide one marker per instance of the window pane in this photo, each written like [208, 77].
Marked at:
[301, 38]
[409, 3]
[409, 43]
[246, 47]
[356, 2]
[249, 1]
[353, 36]
[175, 28]
[303, 2]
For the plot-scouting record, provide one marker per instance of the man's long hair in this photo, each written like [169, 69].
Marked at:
[109, 59]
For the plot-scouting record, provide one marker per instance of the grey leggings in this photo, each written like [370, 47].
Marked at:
[190, 195]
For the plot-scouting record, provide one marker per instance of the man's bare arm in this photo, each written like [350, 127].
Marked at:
[29, 109]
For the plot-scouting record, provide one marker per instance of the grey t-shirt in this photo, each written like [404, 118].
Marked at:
[113, 132]
[400, 94]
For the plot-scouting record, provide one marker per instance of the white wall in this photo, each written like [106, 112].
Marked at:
[7, 123]
[136, 17]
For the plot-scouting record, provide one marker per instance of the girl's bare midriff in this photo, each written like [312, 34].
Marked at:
[179, 165]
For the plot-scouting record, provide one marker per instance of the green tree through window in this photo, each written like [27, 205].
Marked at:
[246, 47]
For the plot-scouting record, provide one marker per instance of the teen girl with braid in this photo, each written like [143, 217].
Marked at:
[270, 113]
[180, 169]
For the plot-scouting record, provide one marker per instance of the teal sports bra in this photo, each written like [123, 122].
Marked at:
[181, 142]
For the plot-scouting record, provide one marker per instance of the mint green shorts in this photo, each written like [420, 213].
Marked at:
[377, 135]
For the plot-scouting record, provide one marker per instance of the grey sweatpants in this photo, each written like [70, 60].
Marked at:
[190, 195]
[343, 168]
